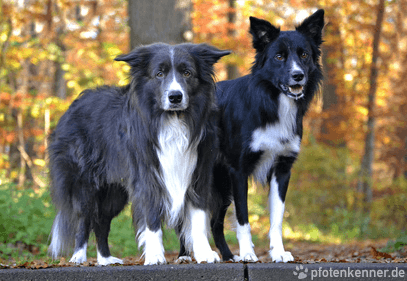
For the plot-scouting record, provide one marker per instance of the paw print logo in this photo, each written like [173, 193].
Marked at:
[300, 272]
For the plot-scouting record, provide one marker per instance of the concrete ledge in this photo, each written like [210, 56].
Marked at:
[222, 271]
[154, 272]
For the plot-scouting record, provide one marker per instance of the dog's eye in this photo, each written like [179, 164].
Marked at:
[304, 55]
[159, 74]
[187, 73]
[279, 57]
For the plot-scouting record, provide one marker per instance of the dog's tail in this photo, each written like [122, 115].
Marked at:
[62, 234]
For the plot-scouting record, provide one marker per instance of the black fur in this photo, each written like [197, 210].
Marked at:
[252, 103]
[103, 152]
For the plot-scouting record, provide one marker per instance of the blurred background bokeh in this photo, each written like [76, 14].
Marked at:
[350, 181]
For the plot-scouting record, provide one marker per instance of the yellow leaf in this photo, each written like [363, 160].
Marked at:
[3, 37]
[71, 84]
[35, 111]
[362, 110]
[39, 162]
[65, 66]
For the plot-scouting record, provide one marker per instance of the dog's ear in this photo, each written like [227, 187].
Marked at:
[208, 53]
[263, 33]
[135, 58]
[312, 26]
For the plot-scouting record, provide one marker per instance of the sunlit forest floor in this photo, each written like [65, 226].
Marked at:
[307, 246]
[303, 251]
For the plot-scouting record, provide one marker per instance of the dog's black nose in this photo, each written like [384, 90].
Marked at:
[298, 76]
[175, 97]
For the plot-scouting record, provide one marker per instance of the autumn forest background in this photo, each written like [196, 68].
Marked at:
[350, 181]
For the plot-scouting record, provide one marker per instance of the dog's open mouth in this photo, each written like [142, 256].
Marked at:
[293, 91]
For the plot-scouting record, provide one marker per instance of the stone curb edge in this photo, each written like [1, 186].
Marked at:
[223, 271]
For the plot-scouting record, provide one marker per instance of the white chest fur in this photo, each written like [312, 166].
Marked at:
[277, 139]
[177, 162]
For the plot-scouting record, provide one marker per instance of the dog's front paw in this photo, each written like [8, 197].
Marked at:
[280, 255]
[154, 259]
[235, 258]
[109, 260]
[79, 256]
[208, 256]
[183, 259]
[249, 257]
[247, 254]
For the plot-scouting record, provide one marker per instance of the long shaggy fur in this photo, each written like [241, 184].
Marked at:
[105, 149]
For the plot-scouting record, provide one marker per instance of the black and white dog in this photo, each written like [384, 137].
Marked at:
[153, 142]
[261, 127]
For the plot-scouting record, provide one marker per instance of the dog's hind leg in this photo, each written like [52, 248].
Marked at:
[243, 234]
[81, 239]
[82, 211]
[183, 255]
[278, 189]
[217, 225]
[111, 201]
[222, 195]
[102, 232]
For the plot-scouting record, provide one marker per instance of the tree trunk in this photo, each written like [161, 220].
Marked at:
[365, 177]
[23, 88]
[231, 68]
[405, 158]
[332, 107]
[159, 21]
[60, 87]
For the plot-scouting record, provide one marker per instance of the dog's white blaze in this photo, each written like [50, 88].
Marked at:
[277, 139]
[80, 255]
[174, 85]
[245, 242]
[196, 235]
[276, 206]
[108, 260]
[153, 246]
[178, 161]
[295, 67]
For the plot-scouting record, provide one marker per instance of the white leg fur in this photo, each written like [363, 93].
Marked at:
[245, 243]
[277, 252]
[80, 255]
[108, 260]
[153, 247]
[198, 233]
